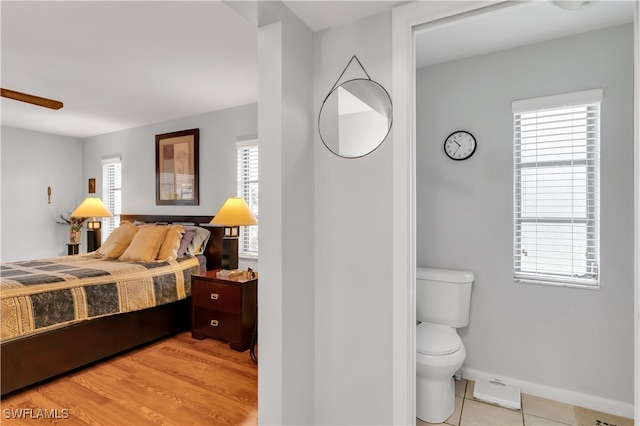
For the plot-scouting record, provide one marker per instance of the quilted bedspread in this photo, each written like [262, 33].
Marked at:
[39, 295]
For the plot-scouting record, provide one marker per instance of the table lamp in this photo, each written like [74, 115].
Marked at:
[92, 207]
[233, 214]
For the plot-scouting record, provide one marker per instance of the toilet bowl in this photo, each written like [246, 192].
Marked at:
[440, 353]
[442, 304]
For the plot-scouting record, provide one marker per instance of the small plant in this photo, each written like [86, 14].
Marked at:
[74, 222]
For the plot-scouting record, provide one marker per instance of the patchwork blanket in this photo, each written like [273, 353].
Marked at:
[39, 295]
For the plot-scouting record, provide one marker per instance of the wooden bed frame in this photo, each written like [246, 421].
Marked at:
[45, 355]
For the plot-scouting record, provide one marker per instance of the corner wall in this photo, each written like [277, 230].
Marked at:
[31, 162]
[285, 293]
[636, 92]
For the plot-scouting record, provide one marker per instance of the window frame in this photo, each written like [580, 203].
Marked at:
[243, 149]
[114, 204]
[591, 101]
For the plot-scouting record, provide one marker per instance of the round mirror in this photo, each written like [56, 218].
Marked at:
[355, 118]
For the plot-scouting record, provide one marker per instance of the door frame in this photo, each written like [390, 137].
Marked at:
[405, 20]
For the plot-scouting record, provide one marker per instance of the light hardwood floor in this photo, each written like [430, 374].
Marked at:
[184, 381]
[175, 381]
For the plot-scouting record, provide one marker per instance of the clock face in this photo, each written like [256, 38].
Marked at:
[460, 145]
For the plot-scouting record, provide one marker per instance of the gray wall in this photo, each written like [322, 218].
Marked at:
[219, 131]
[353, 197]
[31, 162]
[573, 339]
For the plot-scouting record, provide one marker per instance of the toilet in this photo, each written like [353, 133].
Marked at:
[443, 299]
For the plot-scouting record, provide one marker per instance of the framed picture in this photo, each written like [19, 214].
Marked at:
[177, 168]
[92, 185]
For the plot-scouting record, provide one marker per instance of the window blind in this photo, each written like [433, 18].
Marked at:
[557, 189]
[248, 189]
[111, 193]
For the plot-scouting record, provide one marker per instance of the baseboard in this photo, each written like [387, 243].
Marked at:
[592, 402]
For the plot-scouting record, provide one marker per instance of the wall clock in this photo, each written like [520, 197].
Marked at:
[460, 145]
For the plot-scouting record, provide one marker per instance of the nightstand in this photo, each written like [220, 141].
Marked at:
[224, 308]
[73, 249]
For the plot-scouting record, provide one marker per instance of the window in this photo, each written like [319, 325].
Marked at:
[111, 193]
[248, 190]
[557, 189]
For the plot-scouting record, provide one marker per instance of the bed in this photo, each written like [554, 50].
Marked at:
[48, 347]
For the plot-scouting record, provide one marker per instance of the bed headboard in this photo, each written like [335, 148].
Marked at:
[213, 250]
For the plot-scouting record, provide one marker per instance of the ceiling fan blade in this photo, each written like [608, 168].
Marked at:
[31, 99]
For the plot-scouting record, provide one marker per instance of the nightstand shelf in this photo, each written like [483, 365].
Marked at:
[224, 308]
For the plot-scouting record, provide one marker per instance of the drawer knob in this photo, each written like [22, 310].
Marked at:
[214, 323]
[214, 296]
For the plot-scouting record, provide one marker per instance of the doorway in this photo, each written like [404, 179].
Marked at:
[407, 21]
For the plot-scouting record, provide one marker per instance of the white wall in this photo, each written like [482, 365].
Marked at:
[353, 224]
[298, 213]
[285, 293]
[577, 340]
[637, 211]
[31, 162]
[219, 131]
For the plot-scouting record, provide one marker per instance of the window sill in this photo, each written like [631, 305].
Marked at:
[558, 284]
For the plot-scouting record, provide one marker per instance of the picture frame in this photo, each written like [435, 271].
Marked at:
[92, 185]
[177, 168]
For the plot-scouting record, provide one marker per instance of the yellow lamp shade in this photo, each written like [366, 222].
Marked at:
[92, 207]
[234, 212]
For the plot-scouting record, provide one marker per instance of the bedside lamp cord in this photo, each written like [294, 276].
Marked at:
[254, 340]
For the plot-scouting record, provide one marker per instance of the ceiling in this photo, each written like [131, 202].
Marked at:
[118, 65]
[320, 15]
[524, 22]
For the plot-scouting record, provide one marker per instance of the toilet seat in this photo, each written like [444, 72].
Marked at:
[436, 339]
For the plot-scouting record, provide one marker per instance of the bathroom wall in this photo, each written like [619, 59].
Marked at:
[576, 340]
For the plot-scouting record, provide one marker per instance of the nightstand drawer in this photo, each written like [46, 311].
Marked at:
[217, 296]
[216, 324]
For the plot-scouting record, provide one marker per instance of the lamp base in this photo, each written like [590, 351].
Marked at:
[230, 253]
[94, 236]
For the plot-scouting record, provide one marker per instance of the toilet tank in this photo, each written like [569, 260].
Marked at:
[443, 296]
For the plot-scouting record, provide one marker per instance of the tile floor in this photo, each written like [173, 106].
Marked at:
[535, 412]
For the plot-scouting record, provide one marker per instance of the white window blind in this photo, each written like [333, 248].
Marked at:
[111, 193]
[557, 189]
[248, 189]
